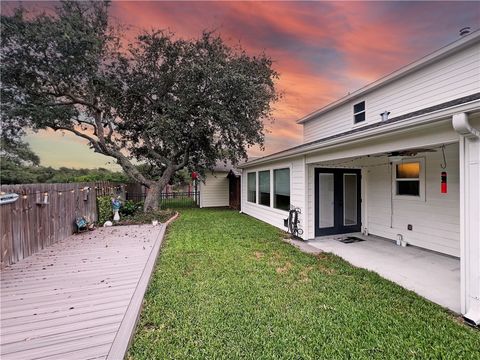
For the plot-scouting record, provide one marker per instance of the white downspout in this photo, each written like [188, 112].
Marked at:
[469, 147]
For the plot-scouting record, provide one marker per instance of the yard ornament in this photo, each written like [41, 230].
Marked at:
[116, 204]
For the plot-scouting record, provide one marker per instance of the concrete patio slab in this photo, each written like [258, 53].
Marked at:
[303, 246]
[79, 298]
[434, 276]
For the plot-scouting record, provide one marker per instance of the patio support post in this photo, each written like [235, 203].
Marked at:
[469, 217]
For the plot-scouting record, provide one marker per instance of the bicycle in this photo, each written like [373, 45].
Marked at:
[292, 222]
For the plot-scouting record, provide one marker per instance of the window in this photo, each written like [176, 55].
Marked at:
[264, 187]
[252, 187]
[359, 112]
[281, 189]
[409, 179]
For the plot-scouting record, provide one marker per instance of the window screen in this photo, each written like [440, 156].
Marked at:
[264, 187]
[252, 187]
[281, 178]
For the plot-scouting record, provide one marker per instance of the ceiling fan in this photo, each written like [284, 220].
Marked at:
[408, 152]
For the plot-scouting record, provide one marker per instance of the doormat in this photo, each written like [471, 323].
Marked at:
[350, 239]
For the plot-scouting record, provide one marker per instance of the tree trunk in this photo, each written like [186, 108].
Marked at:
[152, 200]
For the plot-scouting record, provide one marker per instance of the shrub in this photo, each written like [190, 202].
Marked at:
[131, 212]
[130, 207]
[104, 206]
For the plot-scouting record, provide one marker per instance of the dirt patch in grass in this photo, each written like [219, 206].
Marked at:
[284, 269]
[303, 274]
[258, 255]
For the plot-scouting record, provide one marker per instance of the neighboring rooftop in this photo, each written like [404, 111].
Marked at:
[227, 166]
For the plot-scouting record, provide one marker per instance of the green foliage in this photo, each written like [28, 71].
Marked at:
[13, 150]
[168, 102]
[205, 100]
[104, 206]
[130, 207]
[131, 212]
[14, 173]
[227, 286]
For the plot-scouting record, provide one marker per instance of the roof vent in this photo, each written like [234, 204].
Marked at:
[384, 115]
[465, 31]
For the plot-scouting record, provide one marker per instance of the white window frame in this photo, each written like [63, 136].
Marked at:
[271, 169]
[421, 179]
[272, 194]
[359, 112]
[270, 187]
[256, 187]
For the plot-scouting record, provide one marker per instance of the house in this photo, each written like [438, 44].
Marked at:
[398, 159]
[220, 187]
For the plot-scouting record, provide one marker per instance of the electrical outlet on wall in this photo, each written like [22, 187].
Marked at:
[410, 227]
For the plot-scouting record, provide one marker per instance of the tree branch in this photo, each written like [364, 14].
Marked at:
[122, 160]
[92, 140]
[185, 157]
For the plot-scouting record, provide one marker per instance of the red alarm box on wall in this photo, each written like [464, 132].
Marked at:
[443, 186]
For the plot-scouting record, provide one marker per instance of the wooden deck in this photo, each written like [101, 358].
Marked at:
[79, 298]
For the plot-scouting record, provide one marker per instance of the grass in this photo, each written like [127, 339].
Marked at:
[226, 287]
[176, 203]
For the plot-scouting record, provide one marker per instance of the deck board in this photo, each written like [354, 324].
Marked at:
[77, 297]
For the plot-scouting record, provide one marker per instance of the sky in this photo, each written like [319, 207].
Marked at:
[322, 50]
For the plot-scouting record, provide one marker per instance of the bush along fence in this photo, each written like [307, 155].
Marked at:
[43, 214]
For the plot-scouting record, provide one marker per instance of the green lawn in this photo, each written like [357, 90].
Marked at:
[227, 287]
[176, 203]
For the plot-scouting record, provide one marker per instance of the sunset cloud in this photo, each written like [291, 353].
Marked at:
[322, 50]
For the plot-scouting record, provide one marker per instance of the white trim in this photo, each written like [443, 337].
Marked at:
[421, 179]
[289, 183]
[457, 45]
[272, 168]
[356, 198]
[256, 188]
[435, 116]
[364, 111]
[269, 189]
[364, 199]
[469, 214]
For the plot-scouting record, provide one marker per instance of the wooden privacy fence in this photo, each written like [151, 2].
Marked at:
[44, 214]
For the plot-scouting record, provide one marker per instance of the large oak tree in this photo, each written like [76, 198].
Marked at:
[164, 101]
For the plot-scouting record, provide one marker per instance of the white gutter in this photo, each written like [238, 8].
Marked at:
[413, 121]
[462, 126]
[469, 213]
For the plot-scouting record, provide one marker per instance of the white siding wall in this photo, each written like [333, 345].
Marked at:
[435, 221]
[453, 77]
[214, 192]
[297, 193]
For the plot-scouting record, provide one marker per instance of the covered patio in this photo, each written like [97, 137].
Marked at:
[432, 275]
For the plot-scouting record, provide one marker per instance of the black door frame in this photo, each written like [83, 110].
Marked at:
[338, 227]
